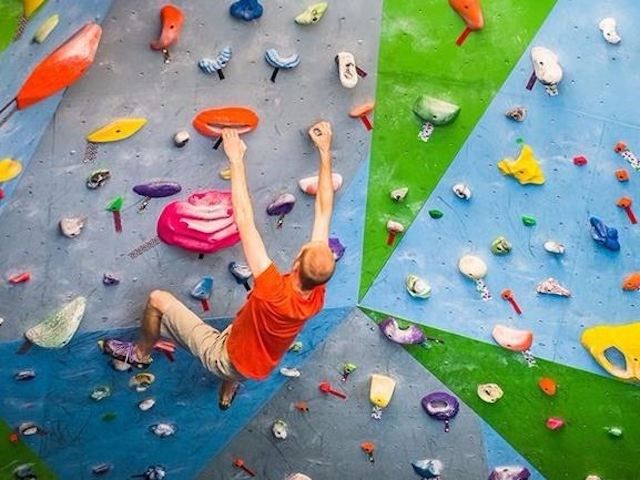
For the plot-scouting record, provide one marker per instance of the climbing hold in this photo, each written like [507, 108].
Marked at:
[325, 387]
[592, 477]
[142, 381]
[474, 268]
[625, 203]
[554, 247]
[399, 194]
[337, 248]
[146, 404]
[519, 114]
[109, 279]
[246, 10]
[417, 287]
[172, 19]
[279, 429]
[239, 463]
[500, 246]
[9, 169]
[218, 64]
[22, 277]
[312, 14]
[290, 372]
[393, 228]
[546, 69]
[309, 185]
[301, 406]
[225, 174]
[441, 406]
[580, 160]
[100, 393]
[119, 129]
[101, 469]
[181, 138]
[555, 423]
[241, 273]
[56, 330]
[525, 168]
[551, 286]
[631, 282]
[623, 338]
[162, 429]
[411, 335]
[361, 112]
[72, 227]
[608, 28]
[109, 417]
[347, 369]
[277, 61]
[154, 472]
[297, 476]
[548, 386]
[296, 347]
[604, 235]
[281, 206]
[202, 291]
[98, 178]
[435, 214]
[489, 392]
[511, 472]
[27, 429]
[27, 374]
[45, 28]
[622, 175]
[211, 121]
[462, 190]
[512, 339]
[428, 468]
[157, 189]
[529, 221]
[347, 70]
[380, 393]
[203, 223]
[508, 296]
[615, 432]
[114, 206]
[368, 448]
[433, 112]
[622, 149]
[471, 13]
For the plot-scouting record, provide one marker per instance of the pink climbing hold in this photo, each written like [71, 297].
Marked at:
[580, 160]
[555, 423]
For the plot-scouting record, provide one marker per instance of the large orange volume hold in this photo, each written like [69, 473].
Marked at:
[172, 19]
[211, 121]
[470, 11]
[62, 68]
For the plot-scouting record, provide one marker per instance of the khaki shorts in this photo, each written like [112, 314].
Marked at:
[202, 340]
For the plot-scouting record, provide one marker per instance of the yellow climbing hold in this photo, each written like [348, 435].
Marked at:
[623, 338]
[9, 169]
[525, 168]
[46, 28]
[119, 129]
[30, 7]
[381, 390]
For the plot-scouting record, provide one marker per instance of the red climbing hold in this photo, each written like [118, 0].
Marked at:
[239, 463]
[555, 423]
[508, 296]
[580, 161]
[1, 194]
[325, 387]
[20, 278]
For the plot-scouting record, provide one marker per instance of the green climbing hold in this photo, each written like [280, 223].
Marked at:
[115, 205]
[435, 111]
[109, 417]
[528, 221]
[614, 431]
[436, 214]
[349, 367]
[500, 246]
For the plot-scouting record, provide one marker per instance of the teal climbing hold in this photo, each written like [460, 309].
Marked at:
[528, 221]
[436, 214]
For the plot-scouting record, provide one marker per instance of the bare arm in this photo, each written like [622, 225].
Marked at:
[321, 134]
[252, 244]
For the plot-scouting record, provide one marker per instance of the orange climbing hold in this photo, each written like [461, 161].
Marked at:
[471, 13]
[172, 19]
[622, 175]
[631, 282]
[548, 386]
[211, 121]
[301, 406]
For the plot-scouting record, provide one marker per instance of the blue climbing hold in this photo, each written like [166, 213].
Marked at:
[604, 235]
[246, 10]
[203, 289]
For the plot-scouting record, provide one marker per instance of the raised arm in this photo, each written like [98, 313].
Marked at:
[320, 133]
[252, 244]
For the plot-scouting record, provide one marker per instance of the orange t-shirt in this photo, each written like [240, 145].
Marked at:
[268, 323]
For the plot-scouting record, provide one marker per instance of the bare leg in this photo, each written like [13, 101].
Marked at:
[157, 304]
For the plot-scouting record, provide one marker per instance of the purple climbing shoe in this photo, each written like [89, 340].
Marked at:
[122, 351]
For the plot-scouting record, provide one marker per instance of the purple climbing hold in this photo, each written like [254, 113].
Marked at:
[512, 472]
[27, 374]
[404, 336]
[336, 247]
[281, 206]
[441, 406]
[604, 235]
[109, 279]
[157, 189]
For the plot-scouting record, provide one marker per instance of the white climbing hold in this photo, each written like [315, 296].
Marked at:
[279, 429]
[290, 372]
[551, 286]
[399, 194]
[146, 404]
[554, 247]
[181, 138]
[609, 32]
[462, 190]
[163, 429]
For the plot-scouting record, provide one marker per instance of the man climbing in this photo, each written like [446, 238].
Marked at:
[277, 307]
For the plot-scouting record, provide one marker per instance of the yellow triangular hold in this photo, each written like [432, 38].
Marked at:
[119, 129]
[525, 168]
[9, 169]
[381, 391]
[30, 7]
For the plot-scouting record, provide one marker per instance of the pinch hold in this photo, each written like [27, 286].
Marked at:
[210, 66]
[72, 227]
[312, 14]
[411, 335]
[551, 286]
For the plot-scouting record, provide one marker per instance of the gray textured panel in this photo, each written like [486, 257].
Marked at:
[325, 442]
[128, 79]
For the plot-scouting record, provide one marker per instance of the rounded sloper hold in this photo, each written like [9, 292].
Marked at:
[204, 223]
[119, 129]
[57, 329]
[9, 169]
[435, 111]
[428, 468]
[472, 267]
[172, 19]
[489, 392]
[312, 14]
[309, 185]
[470, 11]
[381, 390]
[72, 226]
[276, 60]
[623, 338]
[631, 282]
[211, 121]
[281, 205]
[246, 10]
[511, 472]
[440, 405]
[512, 339]
[157, 189]
[405, 336]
